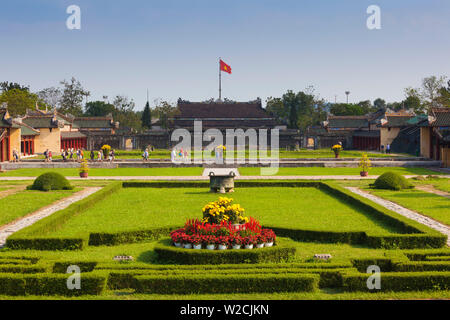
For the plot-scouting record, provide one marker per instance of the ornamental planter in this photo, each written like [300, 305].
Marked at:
[249, 246]
[188, 246]
[211, 246]
[197, 246]
[177, 244]
[236, 246]
[221, 247]
[336, 156]
[269, 244]
[238, 226]
[221, 183]
[84, 174]
[364, 173]
[260, 245]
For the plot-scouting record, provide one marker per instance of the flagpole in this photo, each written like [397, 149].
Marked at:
[220, 82]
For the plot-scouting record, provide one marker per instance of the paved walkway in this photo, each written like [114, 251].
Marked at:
[11, 191]
[196, 178]
[442, 228]
[7, 230]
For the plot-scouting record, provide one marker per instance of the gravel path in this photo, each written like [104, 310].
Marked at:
[405, 212]
[431, 189]
[7, 230]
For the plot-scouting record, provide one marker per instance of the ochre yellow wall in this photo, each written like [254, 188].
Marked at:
[425, 142]
[14, 141]
[387, 136]
[48, 140]
[445, 157]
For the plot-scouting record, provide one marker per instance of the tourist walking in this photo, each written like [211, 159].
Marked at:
[388, 148]
[50, 156]
[71, 154]
[64, 155]
[99, 155]
[46, 155]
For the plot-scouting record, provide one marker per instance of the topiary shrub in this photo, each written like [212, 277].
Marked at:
[50, 181]
[391, 181]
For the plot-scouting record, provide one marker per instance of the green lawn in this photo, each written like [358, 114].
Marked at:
[429, 204]
[438, 183]
[321, 171]
[141, 208]
[303, 153]
[73, 172]
[25, 202]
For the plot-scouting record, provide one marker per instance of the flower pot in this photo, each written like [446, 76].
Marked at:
[364, 173]
[188, 245]
[248, 246]
[238, 226]
[260, 245]
[236, 246]
[197, 246]
[210, 246]
[84, 174]
[269, 244]
[221, 247]
[177, 244]
[336, 156]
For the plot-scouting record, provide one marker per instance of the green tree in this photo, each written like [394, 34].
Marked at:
[98, 109]
[6, 86]
[72, 97]
[276, 108]
[344, 109]
[19, 101]
[165, 111]
[413, 101]
[379, 103]
[430, 91]
[147, 117]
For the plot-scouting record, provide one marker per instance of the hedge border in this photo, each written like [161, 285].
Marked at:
[414, 234]
[281, 252]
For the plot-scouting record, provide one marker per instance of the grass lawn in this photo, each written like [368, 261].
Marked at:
[25, 202]
[319, 171]
[438, 183]
[429, 204]
[141, 208]
[303, 153]
[73, 172]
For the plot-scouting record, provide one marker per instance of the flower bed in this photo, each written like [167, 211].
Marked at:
[201, 235]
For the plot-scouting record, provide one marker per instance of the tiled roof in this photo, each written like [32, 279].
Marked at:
[26, 130]
[94, 122]
[6, 121]
[442, 116]
[214, 110]
[47, 121]
[397, 121]
[347, 122]
[72, 135]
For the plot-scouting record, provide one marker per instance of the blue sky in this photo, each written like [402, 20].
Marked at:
[172, 47]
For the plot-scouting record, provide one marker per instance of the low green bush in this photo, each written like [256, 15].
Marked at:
[392, 181]
[85, 266]
[438, 258]
[116, 238]
[417, 266]
[186, 284]
[399, 281]
[50, 284]
[23, 269]
[14, 261]
[277, 253]
[50, 181]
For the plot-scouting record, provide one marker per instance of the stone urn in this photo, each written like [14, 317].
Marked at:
[84, 174]
[221, 183]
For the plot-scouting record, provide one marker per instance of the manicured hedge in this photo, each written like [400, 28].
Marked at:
[14, 261]
[438, 258]
[416, 266]
[186, 284]
[277, 253]
[399, 281]
[85, 266]
[392, 181]
[205, 184]
[23, 269]
[33, 237]
[111, 239]
[50, 284]
[419, 255]
[50, 181]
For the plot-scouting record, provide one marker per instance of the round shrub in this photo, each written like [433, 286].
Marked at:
[392, 181]
[50, 181]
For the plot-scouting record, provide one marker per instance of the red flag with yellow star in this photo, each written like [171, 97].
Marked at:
[225, 67]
